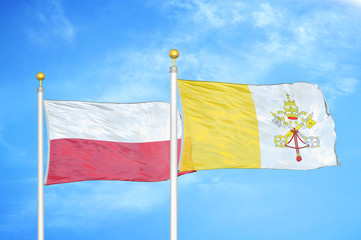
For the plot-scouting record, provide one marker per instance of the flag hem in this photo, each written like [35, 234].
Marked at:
[334, 125]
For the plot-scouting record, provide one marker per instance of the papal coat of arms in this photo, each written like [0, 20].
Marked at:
[295, 122]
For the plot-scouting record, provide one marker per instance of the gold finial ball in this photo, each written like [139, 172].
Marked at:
[173, 53]
[40, 76]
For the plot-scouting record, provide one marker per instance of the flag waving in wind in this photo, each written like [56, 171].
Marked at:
[284, 126]
[108, 141]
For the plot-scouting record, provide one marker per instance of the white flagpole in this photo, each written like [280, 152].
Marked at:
[40, 76]
[173, 148]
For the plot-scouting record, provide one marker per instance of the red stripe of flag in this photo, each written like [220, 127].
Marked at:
[73, 160]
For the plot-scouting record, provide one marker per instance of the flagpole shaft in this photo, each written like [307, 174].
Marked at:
[173, 156]
[40, 165]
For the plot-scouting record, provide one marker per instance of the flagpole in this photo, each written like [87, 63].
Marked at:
[173, 148]
[40, 76]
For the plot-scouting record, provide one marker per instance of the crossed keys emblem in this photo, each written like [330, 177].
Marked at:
[294, 121]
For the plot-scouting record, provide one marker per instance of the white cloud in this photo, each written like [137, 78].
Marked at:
[215, 14]
[311, 41]
[18, 213]
[14, 151]
[218, 15]
[268, 16]
[348, 85]
[215, 188]
[353, 2]
[132, 76]
[301, 40]
[188, 180]
[52, 23]
[85, 204]
[305, 41]
[304, 35]
[338, 87]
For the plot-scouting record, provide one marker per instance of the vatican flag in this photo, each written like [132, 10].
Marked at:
[283, 126]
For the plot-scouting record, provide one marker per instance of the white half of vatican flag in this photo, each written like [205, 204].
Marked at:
[282, 126]
[315, 126]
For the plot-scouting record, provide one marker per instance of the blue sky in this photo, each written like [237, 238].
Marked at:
[117, 51]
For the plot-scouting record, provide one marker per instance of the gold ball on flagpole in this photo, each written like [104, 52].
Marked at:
[40, 76]
[173, 54]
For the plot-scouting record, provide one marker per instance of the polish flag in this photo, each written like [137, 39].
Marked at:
[108, 141]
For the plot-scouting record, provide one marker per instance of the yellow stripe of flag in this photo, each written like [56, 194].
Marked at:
[220, 126]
